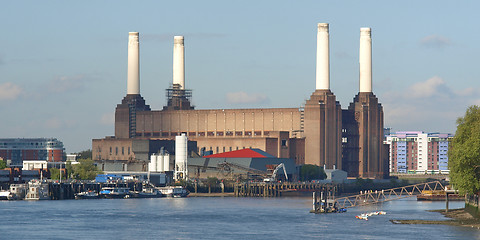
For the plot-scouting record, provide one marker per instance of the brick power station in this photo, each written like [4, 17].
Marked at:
[320, 133]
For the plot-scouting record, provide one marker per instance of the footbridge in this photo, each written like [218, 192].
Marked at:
[378, 196]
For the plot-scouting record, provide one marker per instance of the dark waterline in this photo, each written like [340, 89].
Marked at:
[217, 218]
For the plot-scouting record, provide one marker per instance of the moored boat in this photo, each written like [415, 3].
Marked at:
[4, 195]
[37, 191]
[17, 191]
[439, 195]
[115, 192]
[86, 195]
[148, 191]
[174, 191]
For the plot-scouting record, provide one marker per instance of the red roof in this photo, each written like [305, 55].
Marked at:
[242, 153]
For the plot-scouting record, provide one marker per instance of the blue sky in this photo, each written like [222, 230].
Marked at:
[63, 63]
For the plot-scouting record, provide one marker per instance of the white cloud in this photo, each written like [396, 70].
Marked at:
[466, 92]
[430, 105]
[435, 41]
[434, 86]
[107, 119]
[10, 91]
[243, 97]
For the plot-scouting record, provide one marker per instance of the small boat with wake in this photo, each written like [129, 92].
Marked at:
[364, 216]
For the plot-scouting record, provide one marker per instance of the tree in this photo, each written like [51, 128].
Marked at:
[3, 164]
[55, 173]
[86, 170]
[310, 172]
[87, 154]
[464, 152]
[69, 170]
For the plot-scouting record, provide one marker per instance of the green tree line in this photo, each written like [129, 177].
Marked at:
[464, 153]
[85, 170]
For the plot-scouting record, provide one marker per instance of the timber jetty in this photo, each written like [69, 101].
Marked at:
[263, 189]
[67, 190]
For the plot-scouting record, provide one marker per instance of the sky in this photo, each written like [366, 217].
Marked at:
[63, 64]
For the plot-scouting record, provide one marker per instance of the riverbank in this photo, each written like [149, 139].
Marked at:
[459, 217]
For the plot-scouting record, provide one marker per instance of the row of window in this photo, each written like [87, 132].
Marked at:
[202, 134]
[116, 150]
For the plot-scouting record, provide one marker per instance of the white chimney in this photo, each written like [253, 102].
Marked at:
[179, 61]
[133, 71]
[365, 60]
[323, 64]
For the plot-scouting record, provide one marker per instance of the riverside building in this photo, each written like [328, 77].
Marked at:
[19, 149]
[318, 132]
[418, 152]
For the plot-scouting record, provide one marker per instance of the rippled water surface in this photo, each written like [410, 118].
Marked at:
[217, 218]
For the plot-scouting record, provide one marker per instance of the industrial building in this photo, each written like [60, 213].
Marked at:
[318, 132]
[16, 150]
[418, 152]
[240, 164]
[128, 154]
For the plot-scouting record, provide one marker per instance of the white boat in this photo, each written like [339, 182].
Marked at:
[37, 191]
[364, 216]
[17, 191]
[174, 191]
[4, 195]
[87, 195]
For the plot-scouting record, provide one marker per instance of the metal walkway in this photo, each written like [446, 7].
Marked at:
[372, 197]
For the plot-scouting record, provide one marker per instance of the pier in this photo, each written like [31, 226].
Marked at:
[263, 189]
[323, 200]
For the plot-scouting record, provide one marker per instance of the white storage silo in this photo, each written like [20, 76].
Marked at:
[181, 157]
[152, 165]
[160, 167]
[166, 163]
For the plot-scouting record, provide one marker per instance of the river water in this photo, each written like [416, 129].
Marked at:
[217, 218]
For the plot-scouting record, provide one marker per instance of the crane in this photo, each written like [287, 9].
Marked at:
[272, 178]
